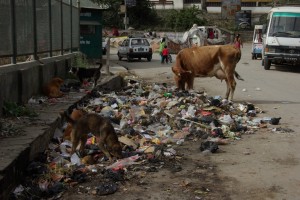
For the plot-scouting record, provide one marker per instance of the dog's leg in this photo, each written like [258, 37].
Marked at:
[104, 150]
[74, 140]
[83, 140]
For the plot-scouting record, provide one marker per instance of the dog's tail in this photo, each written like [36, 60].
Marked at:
[238, 76]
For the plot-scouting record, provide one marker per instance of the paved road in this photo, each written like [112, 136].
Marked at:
[271, 169]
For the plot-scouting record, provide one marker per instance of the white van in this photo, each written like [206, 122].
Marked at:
[281, 38]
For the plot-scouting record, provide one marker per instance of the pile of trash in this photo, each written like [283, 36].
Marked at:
[151, 120]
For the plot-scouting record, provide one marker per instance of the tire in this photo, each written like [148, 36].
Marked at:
[267, 63]
[149, 58]
[170, 58]
[253, 57]
[120, 57]
[129, 59]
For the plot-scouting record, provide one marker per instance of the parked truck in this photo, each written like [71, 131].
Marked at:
[281, 37]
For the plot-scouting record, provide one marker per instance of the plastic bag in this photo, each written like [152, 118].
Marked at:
[120, 164]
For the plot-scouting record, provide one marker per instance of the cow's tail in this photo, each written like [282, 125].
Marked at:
[238, 55]
[238, 76]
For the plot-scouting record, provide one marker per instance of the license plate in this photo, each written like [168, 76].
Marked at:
[291, 59]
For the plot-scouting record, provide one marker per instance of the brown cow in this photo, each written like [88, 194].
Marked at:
[207, 61]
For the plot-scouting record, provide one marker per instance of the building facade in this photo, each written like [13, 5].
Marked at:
[214, 6]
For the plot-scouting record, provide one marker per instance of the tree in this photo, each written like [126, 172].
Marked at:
[141, 16]
[182, 20]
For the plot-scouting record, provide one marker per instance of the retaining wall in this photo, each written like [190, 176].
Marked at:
[19, 82]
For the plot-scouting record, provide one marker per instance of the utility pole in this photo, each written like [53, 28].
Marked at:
[125, 21]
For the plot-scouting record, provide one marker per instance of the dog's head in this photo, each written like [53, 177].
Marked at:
[181, 76]
[116, 150]
[73, 70]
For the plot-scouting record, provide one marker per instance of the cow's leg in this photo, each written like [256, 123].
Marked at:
[190, 82]
[181, 84]
[231, 84]
[228, 89]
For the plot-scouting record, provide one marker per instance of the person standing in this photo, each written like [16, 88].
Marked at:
[238, 41]
[165, 54]
[161, 47]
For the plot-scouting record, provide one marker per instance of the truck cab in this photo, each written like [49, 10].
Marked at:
[281, 37]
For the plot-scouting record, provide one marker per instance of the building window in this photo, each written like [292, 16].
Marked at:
[264, 4]
[191, 1]
[213, 4]
[248, 4]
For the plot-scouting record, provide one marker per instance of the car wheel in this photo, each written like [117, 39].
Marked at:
[129, 59]
[267, 64]
[120, 57]
[252, 56]
[149, 58]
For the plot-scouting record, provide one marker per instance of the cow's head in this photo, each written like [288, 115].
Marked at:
[181, 77]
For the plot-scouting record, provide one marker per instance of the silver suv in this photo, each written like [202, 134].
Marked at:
[135, 48]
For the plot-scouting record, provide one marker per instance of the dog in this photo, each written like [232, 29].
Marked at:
[103, 130]
[87, 73]
[52, 88]
[75, 115]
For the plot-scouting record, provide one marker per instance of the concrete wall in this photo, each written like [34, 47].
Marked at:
[21, 81]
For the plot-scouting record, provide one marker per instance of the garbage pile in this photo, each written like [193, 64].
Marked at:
[151, 120]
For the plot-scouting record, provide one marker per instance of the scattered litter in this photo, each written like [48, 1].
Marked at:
[151, 121]
[209, 145]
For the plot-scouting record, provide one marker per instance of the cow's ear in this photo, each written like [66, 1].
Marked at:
[175, 71]
[187, 72]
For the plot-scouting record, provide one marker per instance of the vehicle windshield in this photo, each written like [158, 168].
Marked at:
[140, 42]
[285, 24]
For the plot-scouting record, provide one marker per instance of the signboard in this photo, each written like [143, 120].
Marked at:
[122, 9]
[243, 19]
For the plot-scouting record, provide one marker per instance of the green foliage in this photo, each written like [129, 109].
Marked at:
[80, 60]
[140, 16]
[11, 109]
[143, 16]
[182, 20]
[263, 19]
